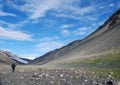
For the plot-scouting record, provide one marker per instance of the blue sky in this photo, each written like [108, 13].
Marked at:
[30, 28]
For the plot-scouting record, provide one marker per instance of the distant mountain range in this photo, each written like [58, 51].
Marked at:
[101, 41]
[7, 57]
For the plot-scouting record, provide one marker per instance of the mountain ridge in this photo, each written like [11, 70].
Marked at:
[7, 57]
[84, 47]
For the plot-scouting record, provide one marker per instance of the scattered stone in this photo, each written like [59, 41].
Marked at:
[85, 80]
[109, 82]
[100, 84]
[35, 75]
[51, 82]
[57, 77]
[40, 75]
[110, 76]
[118, 83]
[61, 75]
[21, 77]
[94, 83]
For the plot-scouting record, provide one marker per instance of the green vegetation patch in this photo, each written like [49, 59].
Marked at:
[102, 65]
[103, 61]
[114, 73]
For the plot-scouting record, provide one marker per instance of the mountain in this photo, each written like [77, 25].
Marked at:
[56, 53]
[5, 59]
[105, 39]
[8, 58]
[28, 60]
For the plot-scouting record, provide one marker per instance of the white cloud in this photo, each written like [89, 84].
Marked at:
[66, 26]
[111, 4]
[6, 14]
[47, 44]
[48, 38]
[13, 26]
[14, 34]
[101, 7]
[80, 31]
[83, 29]
[43, 7]
[38, 8]
[68, 16]
[2, 13]
[65, 32]
[91, 18]
[76, 17]
[75, 12]
[82, 11]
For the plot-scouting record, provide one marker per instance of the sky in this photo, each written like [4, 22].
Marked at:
[31, 28]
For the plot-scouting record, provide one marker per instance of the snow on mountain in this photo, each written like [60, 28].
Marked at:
[14, 57]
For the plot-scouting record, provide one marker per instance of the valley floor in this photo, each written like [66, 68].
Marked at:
[36, 75]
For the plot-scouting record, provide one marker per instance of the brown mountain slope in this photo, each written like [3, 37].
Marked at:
[56, 53]
[104, 39]
[5, 59]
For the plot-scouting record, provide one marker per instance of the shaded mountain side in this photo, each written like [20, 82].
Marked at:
[105, 38]
[5, 59]
[100, 45]
[56, 53]
[113, 19]
[9, 54]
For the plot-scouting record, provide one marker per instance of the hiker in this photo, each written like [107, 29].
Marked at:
[13, 67]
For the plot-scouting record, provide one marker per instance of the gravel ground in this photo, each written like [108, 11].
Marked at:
[54, 77]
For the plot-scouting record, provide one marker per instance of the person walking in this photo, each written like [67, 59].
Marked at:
[13, 67]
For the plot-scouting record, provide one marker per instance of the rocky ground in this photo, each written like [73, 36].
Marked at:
[43, 76]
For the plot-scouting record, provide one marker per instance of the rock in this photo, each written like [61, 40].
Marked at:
[85, 80]
[111, 73]
[35, 75]
[7, 81]
[110, 76]
[47, 75]
[21, 77]
[21, 70]
[35, 79]
[61, 75]
[100, 84]
[118, 83]
[71, 76]
[51, 82]
[57, 77]
[52, 77]
[94, 83]
[109, 82]
[76, 72]
[40, 75]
